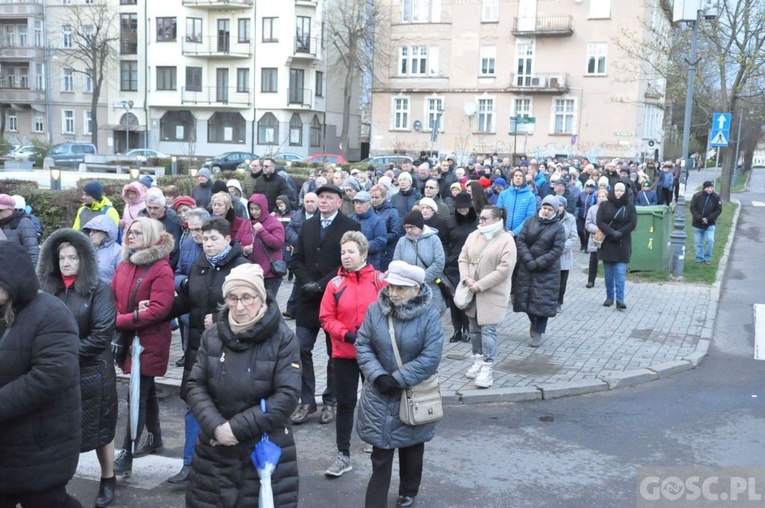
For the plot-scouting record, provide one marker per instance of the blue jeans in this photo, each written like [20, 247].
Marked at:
[484, 340]
[192, 431]
[704, 240]
[616, 275]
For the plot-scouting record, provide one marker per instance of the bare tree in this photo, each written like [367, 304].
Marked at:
[92, 50]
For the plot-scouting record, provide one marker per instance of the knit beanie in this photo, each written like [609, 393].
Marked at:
[94, 189]
[414, 218]
[551, 201]
[147, 181]
[183, 200]
[462, 200]
[250, 276]
[205, 172]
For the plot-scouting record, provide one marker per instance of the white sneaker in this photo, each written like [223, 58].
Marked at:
[485, 378]
[342, 464]
[473, 371]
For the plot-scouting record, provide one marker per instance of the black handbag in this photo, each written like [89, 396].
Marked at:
[278, 267]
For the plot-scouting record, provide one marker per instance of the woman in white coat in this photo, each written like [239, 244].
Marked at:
[567, 259]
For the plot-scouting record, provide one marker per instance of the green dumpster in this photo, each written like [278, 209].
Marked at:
[651, 249]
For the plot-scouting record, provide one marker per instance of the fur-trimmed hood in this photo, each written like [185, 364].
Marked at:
[415, 307]
[140, 193]
[152, 254]
[48, 271]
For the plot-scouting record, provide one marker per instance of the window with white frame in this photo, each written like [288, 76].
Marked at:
[432, 107]
[564, 113]
[88, 122]
[23, 39]
[37, 123]
[38, 33]
[89, 80]
[67, 79]
[485, 115]
[401, 113]
[600, 9]
[522, 108]
[490, 10]
[418, 61]
[420, 11]
[10, 35]
[67, 121]
[39, 76]
[651, 123]
[596, 58]
[13, 121]
[67, 40]
[488, 60]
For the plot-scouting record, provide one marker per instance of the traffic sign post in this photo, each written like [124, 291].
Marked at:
[525, 121]
[720, 129]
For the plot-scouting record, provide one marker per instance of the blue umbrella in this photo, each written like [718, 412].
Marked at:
[265, 456]
[135, 386]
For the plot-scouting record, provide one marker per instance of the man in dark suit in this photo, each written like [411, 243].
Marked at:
[315, 261]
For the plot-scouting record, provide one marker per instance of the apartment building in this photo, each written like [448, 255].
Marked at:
[535, 77]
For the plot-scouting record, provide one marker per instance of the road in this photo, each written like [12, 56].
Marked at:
[576, 452]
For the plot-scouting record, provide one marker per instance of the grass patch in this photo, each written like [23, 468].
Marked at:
[699, 272]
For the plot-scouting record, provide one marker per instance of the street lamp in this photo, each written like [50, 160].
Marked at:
[174, 166]
[193, 172]
[128, 105]
[135, 173]
[55, 179]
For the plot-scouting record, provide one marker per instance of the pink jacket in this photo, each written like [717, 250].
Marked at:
[132, 207]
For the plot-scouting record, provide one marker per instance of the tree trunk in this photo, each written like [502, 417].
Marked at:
[347, 96]
[94, 113]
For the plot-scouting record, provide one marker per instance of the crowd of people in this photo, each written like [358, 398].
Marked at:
[376, 255]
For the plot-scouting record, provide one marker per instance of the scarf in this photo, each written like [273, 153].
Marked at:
[68, 280]
[238, 328]
[490, 230]
[214, 259]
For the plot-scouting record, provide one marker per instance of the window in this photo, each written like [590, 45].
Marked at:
[67, 121]
[268, 79]
[167, 29]
[244, 30]
[564, 110]
[23, 40]
[66, 36]
[129, 76]
[521, 108]
[296, 130]
[243, 80]
[268, 130]
[88, 80]
[418, 61]
[39, 76]
[315, 131]
[194, 79]
[10, 36]
[177, 126]
[194, 30]
[67, 79]
[269, 30]
[432, 106]
[488, 60]
[490, 10]
[401, 113]
[596, 58]
[303, 34]
[37, 123]
[129, 34]
[88, 33]
[226, 128]
[600, 9]
[88, 122]
[319, 84]
[128, 2]
[38, 33]
[421, 11]
[485, 115]
[13, 121]
[166, 78]
[651, 122]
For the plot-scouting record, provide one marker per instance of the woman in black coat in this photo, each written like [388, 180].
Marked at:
[540, 246]
[40, 404]
[616, 218]
[248, 355]
[68, 269]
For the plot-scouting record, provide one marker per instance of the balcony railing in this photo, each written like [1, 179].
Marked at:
[20, 9]
[216, 4]
[20, 95]
[216, 96]
[216, 45]
[539, 83]
[544, 25]
[302, 97]
[306, 46]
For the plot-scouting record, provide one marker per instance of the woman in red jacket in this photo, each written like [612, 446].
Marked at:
[268, 240]
[144, 274]
[343, 307]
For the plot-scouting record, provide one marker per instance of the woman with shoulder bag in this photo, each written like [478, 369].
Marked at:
[594, 237]
[268, 240]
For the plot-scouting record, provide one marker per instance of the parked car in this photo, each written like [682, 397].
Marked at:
[287, 157]
[26, 153]
[324, 158]
[70, 154]
[228, 161]
[145, 152]
[382, 161]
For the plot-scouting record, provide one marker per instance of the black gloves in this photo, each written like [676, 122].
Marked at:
[387, 385]
[350, 337]
[616, 235]
[531, 265]
[312, 288]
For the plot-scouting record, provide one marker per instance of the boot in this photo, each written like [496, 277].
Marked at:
[457, 337]
[536, 339]
[466, 335]
[485, 378]
[123, 462]
[106, 492]
[181, 477]
[152, 443]
[473, 371]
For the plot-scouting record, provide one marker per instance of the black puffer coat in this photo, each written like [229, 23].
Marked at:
[92, 305]
[202, 294]
[616, 215]
[18, 228]
[230, 377]
[39, 383]
[540, 246]
[458, 228]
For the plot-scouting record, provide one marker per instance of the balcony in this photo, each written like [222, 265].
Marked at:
[541, 26]
[21, 96]
[306, 47]
[216, 96]
[218, 46]
[218, 4]
[21, 53]
[539, 83]
[307, 3]
[21, 9]
[299, 98]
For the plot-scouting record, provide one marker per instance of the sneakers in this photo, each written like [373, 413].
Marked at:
[473, 371]
[123, 462]
[152, 443]
[485, 378]
[342, 464]
[536, 339]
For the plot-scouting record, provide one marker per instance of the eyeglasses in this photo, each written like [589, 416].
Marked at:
[195, 230]
[481, 218]
[246, 300]
[134, 232]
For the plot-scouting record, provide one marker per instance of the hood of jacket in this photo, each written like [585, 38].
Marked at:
[48, 271]
[415, 307]
[103, 223]
[385, 205]
[235, 184]
[99, 205]
[21, 282]
[262, 202]
[428, 231]
[284, 199]
[152, 254]
[262, 331]
[139, 192]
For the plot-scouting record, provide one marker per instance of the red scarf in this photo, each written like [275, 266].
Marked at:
[68, 280]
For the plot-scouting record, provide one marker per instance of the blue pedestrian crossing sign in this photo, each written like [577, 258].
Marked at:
[720, 129]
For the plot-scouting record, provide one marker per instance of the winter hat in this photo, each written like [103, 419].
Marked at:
[603, 180]
[590, 183]
[703, 186]
[21, 203]
[462, 200]
[147, 181]
[551, 201]
[94, 189]
[559, 181]
[401, 273]
[204, 172]
[485, 182]
[249, 275]
[562, 201]
[329, 188]
[456, 185]
[235, 184]
[7, 202]
[633, 175]
[430, 203]
[352, 183]
[500, 182]
[219, 186]
[414, 218]
[184, 200]
[362, 196]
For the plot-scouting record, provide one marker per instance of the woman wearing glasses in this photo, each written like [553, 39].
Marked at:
[249, 356]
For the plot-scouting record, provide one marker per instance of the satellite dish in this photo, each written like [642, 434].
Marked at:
[469, 108]
[417, 125]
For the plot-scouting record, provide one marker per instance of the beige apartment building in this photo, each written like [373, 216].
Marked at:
[535, 77]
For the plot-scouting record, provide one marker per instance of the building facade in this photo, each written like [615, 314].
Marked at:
[534, 77]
